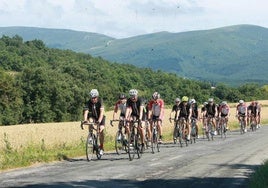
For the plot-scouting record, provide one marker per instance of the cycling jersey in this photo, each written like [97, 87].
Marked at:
[195, 111]
[241, 109]
[224, 110]
[156, 106]
[94, 108]
[211, 110]
[121, 106]
[184, 110]
[135, 106]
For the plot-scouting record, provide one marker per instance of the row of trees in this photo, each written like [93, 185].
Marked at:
[38, 84]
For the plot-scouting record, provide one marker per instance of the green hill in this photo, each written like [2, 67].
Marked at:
[234, 55]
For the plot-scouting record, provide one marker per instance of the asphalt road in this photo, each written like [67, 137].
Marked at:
[219, 163]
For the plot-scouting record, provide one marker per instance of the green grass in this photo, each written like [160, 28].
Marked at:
[260, 178]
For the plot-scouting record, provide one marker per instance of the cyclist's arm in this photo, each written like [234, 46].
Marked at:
[85, 114]
[101, 114]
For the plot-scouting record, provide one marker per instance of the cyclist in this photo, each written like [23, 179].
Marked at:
[224, 111]
[185, 112]
[174, 111]
[252, 111]
[94, 110]
[241, 111]
[135, 107]
[211, 111]
[203, 114]
[194, 107]
[121, 105]
[258, 114]
[156, 111]
[145, 119]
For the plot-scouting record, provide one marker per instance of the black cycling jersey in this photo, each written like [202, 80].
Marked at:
[135, 106]
[94, 108]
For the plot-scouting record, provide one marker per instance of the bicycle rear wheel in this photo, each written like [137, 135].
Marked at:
[90, 147]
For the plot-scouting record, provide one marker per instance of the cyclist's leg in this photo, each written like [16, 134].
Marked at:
[188, 127]
[101, 137]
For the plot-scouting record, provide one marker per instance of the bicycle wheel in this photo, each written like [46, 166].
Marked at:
[119, 142]
[131, 146]
[180, 136]
[96, 147]
[138, 146]
[90, 147]
[175, 134]
[153, 141]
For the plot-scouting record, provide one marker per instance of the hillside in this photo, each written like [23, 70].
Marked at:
[58, 38]
[234, 55]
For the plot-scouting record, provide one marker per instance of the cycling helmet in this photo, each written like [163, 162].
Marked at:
[177, 100]
[205, 103]
[223, 103]
[184, 99]
[133, 92]
[122, 96]
[192, 101]
[94, 93]
[241, 101]
[210, 100]
[156, 95]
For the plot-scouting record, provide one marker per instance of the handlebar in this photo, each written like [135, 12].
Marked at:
[88, 123]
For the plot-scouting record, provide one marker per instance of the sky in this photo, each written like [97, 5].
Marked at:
[127, 18]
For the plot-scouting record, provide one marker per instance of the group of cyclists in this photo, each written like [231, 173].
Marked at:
[135, 107]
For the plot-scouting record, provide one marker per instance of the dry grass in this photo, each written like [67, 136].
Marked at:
[70, 132]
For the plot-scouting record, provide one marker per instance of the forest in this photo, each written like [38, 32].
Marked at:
[41, 84]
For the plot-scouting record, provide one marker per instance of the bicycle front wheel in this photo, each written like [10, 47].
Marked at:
[131, 147]
[90, 147]
[119, 142]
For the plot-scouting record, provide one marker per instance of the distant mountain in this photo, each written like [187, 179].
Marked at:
[233, 55]
[59, 38]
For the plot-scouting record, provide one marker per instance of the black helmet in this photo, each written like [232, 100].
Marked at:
[122, 96]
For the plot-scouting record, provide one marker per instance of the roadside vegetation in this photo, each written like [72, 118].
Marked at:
[260, 177]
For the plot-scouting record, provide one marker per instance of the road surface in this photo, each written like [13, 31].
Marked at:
[219, 163]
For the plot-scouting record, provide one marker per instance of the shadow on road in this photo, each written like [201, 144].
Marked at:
[191, 182]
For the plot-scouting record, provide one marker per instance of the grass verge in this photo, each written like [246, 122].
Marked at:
[260, 177]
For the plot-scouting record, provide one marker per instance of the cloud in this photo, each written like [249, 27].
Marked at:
[132, 17]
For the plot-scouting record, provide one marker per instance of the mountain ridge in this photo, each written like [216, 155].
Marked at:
[233, 54]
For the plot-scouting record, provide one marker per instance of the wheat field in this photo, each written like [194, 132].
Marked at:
[20, 136]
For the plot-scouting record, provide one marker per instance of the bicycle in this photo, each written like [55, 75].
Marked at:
[253, 123]
[92, 145]
[193, 130]
[120, 137]
[154, 137]
[134, 146]
[209, 128]
[222, 127]
[242, 123]
[146, 138]
[179, 131]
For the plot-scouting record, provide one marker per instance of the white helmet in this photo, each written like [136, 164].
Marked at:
[94, 93]
[223, 103]
[177, 100]
[241, 101]
[133, 92]
[205, 103]
[156, 95]
[210, 100]
[192, 101]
